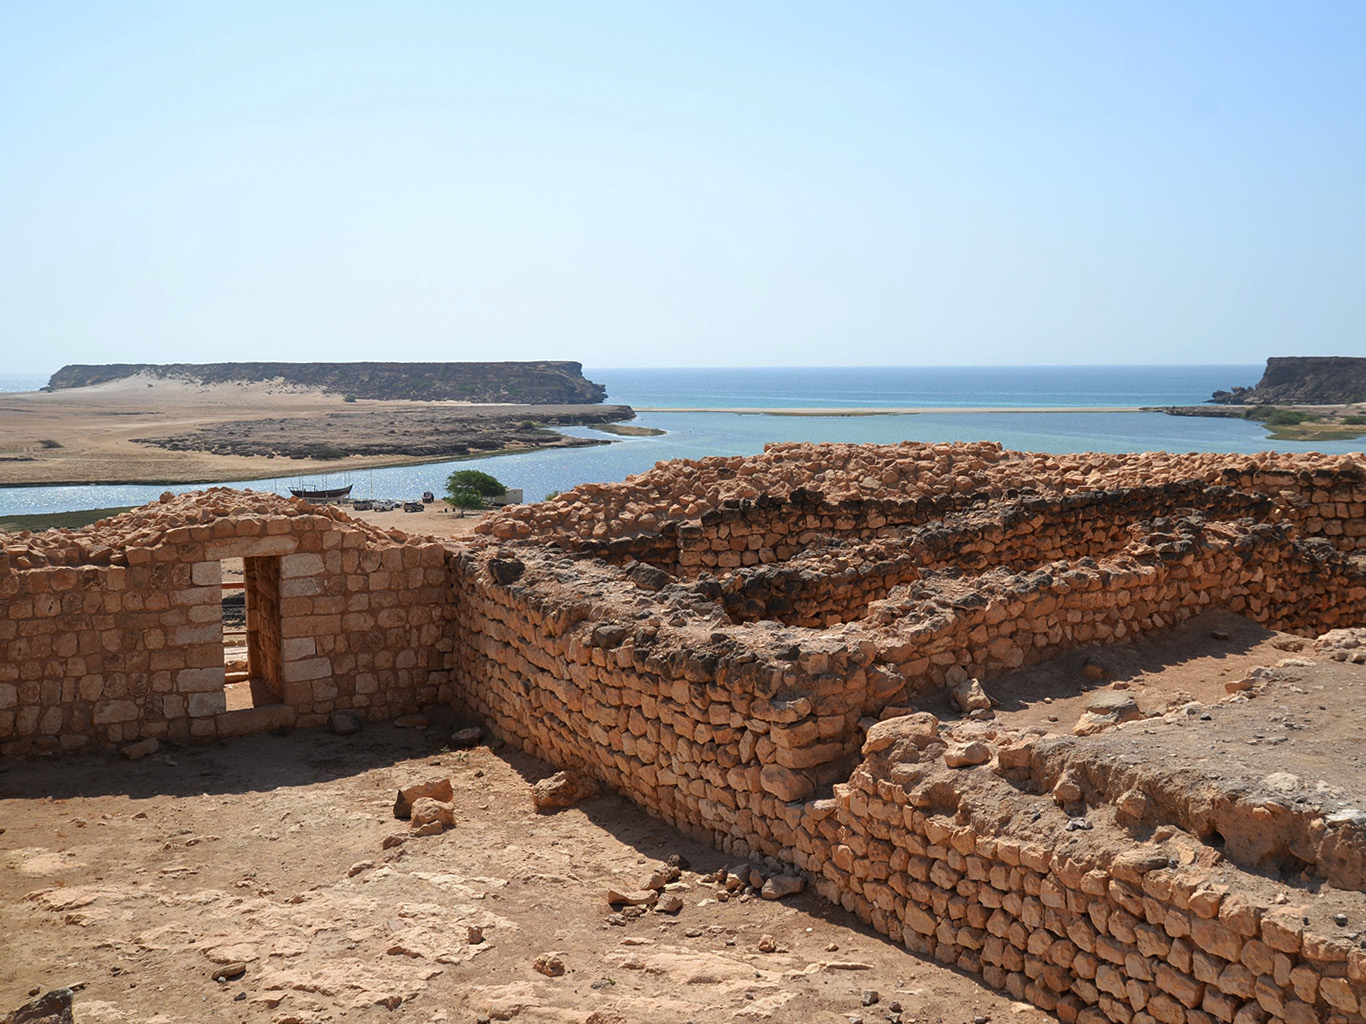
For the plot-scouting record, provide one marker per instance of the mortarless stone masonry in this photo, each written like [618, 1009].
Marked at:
[734, 644]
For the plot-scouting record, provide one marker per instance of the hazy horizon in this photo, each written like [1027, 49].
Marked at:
[648, 186]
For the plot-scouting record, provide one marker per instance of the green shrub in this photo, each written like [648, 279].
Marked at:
[1286, 418]
[1355, 421]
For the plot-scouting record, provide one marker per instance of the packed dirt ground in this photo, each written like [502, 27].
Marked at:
[89, 435]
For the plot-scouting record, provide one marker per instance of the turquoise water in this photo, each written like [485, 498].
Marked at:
[927, 386]
[694, 435]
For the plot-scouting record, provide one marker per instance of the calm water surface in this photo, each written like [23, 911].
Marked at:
[694, 435]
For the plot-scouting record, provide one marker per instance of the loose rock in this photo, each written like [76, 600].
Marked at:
[561, 790]
[435, 789]
[550, 964]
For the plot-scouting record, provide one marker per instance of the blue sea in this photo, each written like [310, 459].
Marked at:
[696, 434]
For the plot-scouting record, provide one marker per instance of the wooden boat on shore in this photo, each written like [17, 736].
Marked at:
[321, 494]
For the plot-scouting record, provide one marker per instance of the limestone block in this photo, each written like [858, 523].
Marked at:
[113, 711]
[306, 670]
[200, 680]
[201, 705]
[298, 648]
[250, 721]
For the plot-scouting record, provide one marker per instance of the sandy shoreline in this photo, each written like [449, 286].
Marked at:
[88, 436]
[898, 411]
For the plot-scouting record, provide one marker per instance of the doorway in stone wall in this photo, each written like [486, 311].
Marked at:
[251, 631]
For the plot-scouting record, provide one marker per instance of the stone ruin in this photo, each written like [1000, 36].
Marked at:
[741, 645]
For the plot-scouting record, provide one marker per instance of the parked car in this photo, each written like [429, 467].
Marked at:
[414, 506]
[362, 504]
[428, 497]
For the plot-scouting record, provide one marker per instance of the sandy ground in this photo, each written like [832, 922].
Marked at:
[85, 435]
[140, 880]
[438, 520]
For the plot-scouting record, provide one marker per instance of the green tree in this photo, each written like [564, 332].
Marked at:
[465, 500]
[473, 481]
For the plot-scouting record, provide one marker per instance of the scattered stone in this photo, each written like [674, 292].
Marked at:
[432, 828]
[344, 723]
[1079, 825]
[358, 867]
[549, 964]
[768, 944]
[50, 1008]
[780, 886]
[462, 739]
[670, 904]
[969, 696]
[474, 935]
[1106, 709]
[632, 897]
[870, 997]
[677, 860]
[435, 789]
[426, 810]
[662, 877]
[412, 722]
[561, 790]
[1340, 920]
[392, 840]
[227, 972]
[965, 755]
[140, 749]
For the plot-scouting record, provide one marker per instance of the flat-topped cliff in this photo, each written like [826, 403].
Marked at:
[1303, 380]
[541, 382]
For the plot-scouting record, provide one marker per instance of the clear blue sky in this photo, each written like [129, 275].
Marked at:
[650, 184]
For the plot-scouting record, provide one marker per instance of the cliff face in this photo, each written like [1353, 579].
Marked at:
[536, 383]
[1303, 380]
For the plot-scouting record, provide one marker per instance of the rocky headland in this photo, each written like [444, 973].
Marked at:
[1303, 380]
[542, 382]
[1299, 398]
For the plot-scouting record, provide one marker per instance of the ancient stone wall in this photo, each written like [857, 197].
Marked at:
[860, 489]
[115, 632]
[731, 686]
[1145, 933]
[668, 712]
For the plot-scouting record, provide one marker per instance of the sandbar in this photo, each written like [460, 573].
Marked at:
[896, 411]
